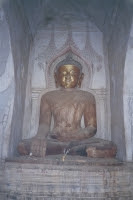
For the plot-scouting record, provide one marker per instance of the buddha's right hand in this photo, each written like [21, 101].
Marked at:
[38, 147]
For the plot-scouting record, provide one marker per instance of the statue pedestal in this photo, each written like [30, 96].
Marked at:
[27, 178]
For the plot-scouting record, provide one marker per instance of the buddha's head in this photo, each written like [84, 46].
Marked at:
[68, 76]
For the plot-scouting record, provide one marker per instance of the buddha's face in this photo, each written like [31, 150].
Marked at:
[68, 76]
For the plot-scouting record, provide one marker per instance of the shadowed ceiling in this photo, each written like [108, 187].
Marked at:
[42, 12]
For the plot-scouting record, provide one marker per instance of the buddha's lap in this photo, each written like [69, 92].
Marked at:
[56, 147]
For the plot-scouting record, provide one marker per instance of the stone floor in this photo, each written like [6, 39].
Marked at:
[69, 178]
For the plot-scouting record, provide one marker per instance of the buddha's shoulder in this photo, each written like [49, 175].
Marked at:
[51, 94]
[77, 93]
[85, 94]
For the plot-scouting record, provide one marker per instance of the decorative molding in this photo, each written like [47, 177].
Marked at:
[36, 92]
[69, 60]
[128, 92]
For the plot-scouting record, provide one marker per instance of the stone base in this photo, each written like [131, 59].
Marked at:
[29, 178]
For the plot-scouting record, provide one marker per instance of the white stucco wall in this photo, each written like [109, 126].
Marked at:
[6, 85]
[128, 98]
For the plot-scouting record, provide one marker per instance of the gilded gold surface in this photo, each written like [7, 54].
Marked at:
[69, 76]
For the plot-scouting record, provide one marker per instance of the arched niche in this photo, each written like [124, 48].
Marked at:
[83, 39]
[49, 49]
[128, 98]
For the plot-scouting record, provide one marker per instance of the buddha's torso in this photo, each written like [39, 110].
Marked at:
[67, 108]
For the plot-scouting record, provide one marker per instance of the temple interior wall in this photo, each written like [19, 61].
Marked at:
[128, 97]
[27, 67]
[117, 48]
[20, 46]
[6, 85]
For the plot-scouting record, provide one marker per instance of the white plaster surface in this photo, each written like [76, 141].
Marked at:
[7, 77]
[6, 86]
[128, 98]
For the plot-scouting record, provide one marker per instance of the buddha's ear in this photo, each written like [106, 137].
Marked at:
[56, 79]
[80, 80]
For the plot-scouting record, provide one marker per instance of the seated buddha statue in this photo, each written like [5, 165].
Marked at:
[67, 106]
